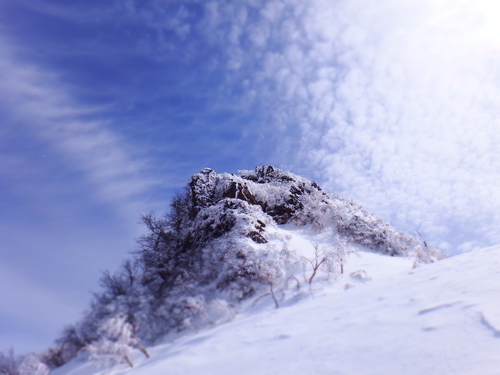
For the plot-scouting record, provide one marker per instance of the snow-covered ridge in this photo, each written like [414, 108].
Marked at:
[230, 242]
[285, 197]
[440, 318]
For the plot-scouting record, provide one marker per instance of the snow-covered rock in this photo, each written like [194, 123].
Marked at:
[230, 245]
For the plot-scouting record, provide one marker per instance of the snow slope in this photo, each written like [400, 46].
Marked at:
[439, 318]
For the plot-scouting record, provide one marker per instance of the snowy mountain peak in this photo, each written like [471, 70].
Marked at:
[227, 240]
[279, 194]
[283, 197]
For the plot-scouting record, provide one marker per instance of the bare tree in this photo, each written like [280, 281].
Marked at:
[270, 293]
[324, 258]
[342, 251]
[32, 365]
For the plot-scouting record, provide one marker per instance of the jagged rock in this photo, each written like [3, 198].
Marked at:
[256, 237]
[222, 236]
[284, 198]
[239, 191]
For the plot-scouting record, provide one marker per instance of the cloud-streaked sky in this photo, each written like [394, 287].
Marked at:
[108, 107]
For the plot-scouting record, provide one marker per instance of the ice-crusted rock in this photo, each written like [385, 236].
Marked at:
[221, 231]
[284, 198]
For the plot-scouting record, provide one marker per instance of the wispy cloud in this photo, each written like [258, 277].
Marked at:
[40, 102]
[44, 216]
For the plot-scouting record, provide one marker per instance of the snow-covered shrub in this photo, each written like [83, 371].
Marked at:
[359, 226]
[53, 357]
[72, 341]
[31, 365]
[181, 313]
[76, 338]
[425, 254]
[325, 259]
[360, 275]
[220, 310]
[329, 260]
[115, 344]
[342, 251]
[121, 293]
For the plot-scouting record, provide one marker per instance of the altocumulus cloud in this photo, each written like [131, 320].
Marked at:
[393, 103]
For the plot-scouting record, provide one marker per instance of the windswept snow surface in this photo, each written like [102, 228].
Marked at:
[440, 318]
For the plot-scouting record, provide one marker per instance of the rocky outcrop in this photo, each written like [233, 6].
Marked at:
[222, 243]
[282, 197]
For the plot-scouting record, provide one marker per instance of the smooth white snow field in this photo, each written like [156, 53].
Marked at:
[437, 319]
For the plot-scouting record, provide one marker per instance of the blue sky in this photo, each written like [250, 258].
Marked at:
[108, 107]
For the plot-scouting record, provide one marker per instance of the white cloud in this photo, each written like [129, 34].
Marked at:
[396, 104]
